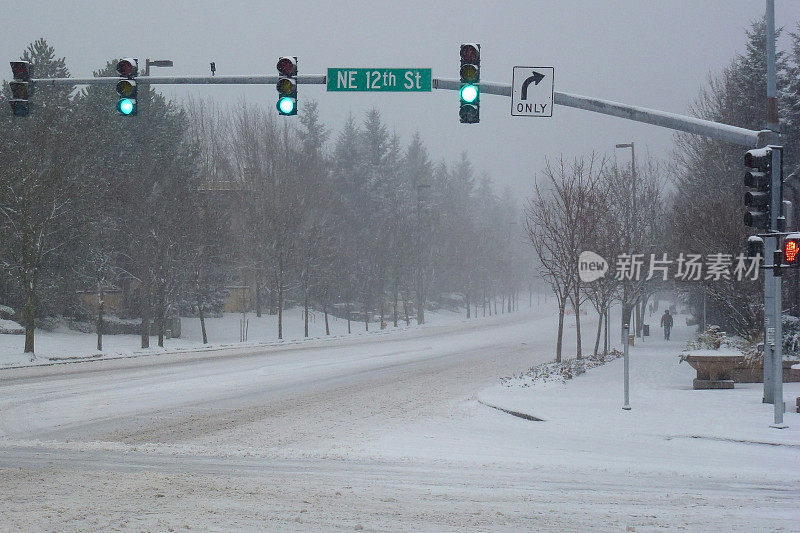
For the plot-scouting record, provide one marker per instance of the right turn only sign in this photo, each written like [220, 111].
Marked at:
[532, 92]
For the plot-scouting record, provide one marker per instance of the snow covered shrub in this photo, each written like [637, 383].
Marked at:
[214, 304]
[791, 335]
[559, 372]
[714, 338]
[9, 327]
[6, 312]
[753, 354]
[48, 323]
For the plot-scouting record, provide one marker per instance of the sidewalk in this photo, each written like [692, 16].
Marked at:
[669, 426]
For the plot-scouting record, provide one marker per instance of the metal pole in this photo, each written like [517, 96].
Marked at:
[704, 309]
[697, 126]
[633, 181]
[769, 320]
[771, 243]
[777, 359]
[630, 221]
[420, 303]
[626, 331]
[772, 90]
[632, 231]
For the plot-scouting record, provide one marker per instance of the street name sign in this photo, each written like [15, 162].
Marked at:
[379, 79]
[532, 92]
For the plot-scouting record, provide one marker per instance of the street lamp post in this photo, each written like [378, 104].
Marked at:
[420, 299]
[626, 311]
[626, 307]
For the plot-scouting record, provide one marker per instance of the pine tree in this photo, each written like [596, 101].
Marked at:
[41, 168]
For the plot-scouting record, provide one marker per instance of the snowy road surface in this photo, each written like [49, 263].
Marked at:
[300, 438]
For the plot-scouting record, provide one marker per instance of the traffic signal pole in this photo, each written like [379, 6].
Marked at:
[770, 245]
[706, 128]
[776, 362]
[773, 308]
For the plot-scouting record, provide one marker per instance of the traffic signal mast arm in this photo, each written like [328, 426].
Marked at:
[706, 128]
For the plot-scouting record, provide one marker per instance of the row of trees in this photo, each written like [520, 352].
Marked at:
[366, 222]
[708, 194]
[590, 203]
[181, 201]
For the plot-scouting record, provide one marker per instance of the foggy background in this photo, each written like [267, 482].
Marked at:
[649, 53]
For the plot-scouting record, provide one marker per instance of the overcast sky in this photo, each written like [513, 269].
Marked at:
[650, 53]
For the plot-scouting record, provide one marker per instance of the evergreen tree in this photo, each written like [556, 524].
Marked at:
[42, 163]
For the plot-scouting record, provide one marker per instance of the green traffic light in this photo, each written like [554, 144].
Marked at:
[469, 93]
[287, 105]
[126, 106]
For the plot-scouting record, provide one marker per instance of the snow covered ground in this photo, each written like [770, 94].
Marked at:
[393, 433]
[680, 441]
[65, 344]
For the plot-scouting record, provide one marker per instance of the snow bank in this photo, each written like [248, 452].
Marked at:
[63, 344]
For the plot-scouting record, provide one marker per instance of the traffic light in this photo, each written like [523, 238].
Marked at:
[791, 250]
[758, 177]
[470, 77]
[287, 85]
[21, 88]
[128, 69]
[755, 246]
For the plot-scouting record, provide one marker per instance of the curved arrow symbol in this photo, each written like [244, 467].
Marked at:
[535, 77]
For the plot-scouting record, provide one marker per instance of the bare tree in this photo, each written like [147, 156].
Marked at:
[560, 223]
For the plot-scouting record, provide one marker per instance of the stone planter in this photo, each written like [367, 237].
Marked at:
[755, 373]
[714, 371]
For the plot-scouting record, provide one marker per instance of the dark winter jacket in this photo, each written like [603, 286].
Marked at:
[666, 320]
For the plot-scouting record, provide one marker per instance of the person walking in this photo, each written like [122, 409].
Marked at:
[666, 323]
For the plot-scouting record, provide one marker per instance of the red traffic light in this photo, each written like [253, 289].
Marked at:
[791, 250]
[127, 67]
[470, 53]
[287, 66]
[21, 70]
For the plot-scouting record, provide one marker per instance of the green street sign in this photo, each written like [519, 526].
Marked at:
[379, 79]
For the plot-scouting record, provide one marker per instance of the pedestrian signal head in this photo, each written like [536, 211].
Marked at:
[791, 249]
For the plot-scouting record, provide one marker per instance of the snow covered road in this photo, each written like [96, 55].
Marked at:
[374, 432]
[297, 390]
